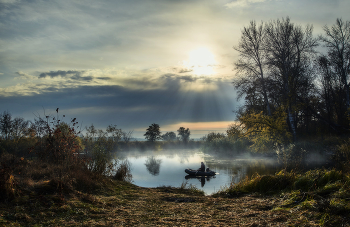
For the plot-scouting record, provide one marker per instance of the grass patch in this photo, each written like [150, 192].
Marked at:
[323, 194]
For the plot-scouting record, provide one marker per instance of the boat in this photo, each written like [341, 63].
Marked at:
[193, 172]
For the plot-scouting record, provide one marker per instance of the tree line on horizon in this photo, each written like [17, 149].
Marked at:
[153, 133]
[289, 88]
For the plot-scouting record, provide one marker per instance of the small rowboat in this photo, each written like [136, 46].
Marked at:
[193, 172]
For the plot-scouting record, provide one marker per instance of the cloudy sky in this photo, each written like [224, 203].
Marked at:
[134, 63]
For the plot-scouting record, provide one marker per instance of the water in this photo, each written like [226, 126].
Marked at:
[167, 168]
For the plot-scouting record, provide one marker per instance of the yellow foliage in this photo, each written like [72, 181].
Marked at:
[266, 131]
[234, 131]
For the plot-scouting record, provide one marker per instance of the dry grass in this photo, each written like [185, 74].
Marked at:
[123, 204]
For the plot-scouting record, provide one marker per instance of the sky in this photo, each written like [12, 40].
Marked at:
[134, 63]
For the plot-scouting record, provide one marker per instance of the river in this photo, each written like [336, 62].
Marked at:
[167, 168]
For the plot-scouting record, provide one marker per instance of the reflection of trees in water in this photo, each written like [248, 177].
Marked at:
[153, 165]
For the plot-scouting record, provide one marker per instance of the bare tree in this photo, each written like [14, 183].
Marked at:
[5, 124]
[337, 40]
[251, 66]
[19, 128]
[288, 50]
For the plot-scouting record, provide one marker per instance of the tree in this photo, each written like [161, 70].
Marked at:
[264, 131]
[275, 71]
[114, 134]
[19, 128]
[288, 51]
[5, 124]
[332, 103]
[251, 66]
[153, 133]
[184, 134]
[169, 136]
[337, 40]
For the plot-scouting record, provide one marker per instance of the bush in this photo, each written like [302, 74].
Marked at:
[7, 180]
[265, 183]
[342, 156]
[291, 156]
[100, 148]
[317, 179]
[123, 172]
[61, 143]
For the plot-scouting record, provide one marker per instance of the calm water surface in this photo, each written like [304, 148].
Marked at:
[167, 168]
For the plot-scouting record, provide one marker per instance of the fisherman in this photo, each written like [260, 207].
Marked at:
[202, 167]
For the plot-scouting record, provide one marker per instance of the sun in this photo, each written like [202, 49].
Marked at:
[201, 61]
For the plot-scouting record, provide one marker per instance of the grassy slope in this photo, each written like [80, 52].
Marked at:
[120, 203]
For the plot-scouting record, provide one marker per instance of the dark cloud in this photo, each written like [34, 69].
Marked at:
[71, 74]
[188, 78]
[103, 78]
[179, 78]
[61, 73]
[79, 77]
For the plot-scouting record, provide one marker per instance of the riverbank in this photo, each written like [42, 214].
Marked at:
[121, 203]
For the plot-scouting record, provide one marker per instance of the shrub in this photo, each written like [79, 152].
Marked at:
[291, 156]
[263, 184]
[61, 143]
[123, 172]
[342, 156]
[7, 181]
[99, 147]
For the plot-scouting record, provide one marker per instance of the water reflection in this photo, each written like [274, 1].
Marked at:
[201, 179]
[230, 170]
[153, 165]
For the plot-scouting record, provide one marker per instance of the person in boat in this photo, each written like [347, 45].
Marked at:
[202, 167]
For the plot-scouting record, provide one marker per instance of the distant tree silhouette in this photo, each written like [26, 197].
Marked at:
[5, 124]
[169, 136]
[153, 133]
[184, 134]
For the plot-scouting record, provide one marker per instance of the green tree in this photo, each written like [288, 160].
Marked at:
[184, 134]
[153, 133]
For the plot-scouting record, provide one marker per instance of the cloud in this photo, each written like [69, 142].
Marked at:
[179, 78]
[243, 3]
[23, 75]
[74, 75]
[185, 70]
[9, 1]
[60, 73]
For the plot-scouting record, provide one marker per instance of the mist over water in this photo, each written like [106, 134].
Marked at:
[167, 168]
